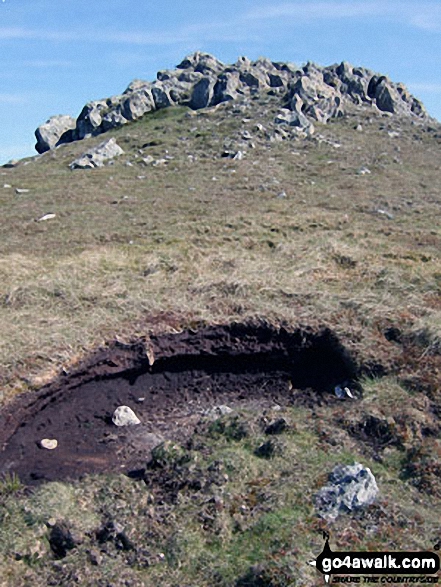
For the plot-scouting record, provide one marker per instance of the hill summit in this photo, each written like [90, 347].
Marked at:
[307, 94]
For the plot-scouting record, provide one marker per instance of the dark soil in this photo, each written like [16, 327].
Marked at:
[169, 381]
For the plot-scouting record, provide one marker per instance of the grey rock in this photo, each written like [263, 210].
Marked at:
[277, 427]
[137, 104]
[350, 487]
[125, 416]
[91, 117]
[113, 119]
[97, 156]
[61, 540]
[312, 93]
[217, 412]
[11, 163]
[202, 93]
[56, 130]
[202, 63]
[384, 99]
[268, 449]
[227, 87]
[343, 392]
[161, 95]
[293, 118]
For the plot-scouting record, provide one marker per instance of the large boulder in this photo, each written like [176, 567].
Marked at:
[350, 487]
[97, 156]
[202, 63]
[90, 118]
[202, 93]
[55, 131]
[137, 103]
[294, 118]
[228, 87]
[161, 95]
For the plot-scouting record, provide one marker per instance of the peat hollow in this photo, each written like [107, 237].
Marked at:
[170, 381]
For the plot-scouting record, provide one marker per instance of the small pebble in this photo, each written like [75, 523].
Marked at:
[49, 443]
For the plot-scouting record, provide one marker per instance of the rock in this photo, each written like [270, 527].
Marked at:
[343, 392]
[90, 119]
[350, 487]
[114, 532]
[61, 540]
[49, 443]
[385, 213]
[268, 450]
[226, 88]
[46, 217]
[296, 119]
[200, 80]
[384, 98]
[95, 557]
[363, 171]
[98, 155]
[137, 104]
[202, 62]
[55, 131]
[161, 96]
[277, 427]
[11, 163]
[218, 412]
[125, 416]
[202, 93]
[113, 119]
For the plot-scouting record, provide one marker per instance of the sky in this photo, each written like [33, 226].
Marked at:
[56, 55]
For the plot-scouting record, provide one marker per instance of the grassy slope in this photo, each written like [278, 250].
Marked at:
[169, 246]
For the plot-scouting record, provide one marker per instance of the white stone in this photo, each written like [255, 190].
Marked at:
[49, 443]
[46, 217]
[125, 416]
[218, 411]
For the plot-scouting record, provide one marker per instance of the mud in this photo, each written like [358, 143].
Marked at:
[169, 381]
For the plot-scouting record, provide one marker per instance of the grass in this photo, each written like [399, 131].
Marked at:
[208, 239]
[257, 513]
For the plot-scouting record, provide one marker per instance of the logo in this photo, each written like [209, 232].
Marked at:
[419, 565]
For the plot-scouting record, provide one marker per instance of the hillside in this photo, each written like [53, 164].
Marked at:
[255, 251]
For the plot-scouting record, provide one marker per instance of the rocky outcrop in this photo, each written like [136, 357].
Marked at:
[97, 156]
[310, 94]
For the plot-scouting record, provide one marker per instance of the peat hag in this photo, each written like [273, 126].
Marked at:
[169, 381]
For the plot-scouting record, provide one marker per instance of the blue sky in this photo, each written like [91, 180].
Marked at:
[58, 54]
